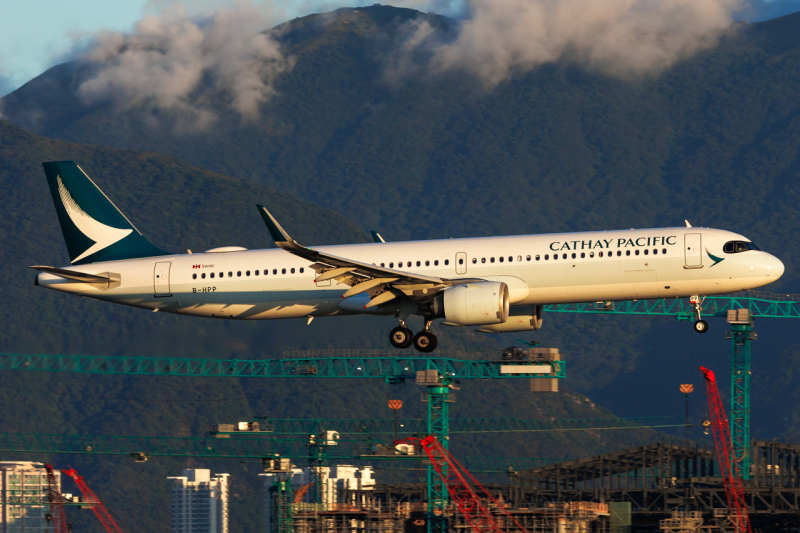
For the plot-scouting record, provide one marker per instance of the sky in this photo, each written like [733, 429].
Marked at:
[37, 34]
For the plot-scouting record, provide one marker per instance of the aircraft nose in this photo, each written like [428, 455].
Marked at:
[775, 267]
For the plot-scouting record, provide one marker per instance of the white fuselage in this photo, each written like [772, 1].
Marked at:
[590, 266]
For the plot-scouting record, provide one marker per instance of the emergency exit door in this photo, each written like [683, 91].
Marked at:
[692, 249]
[161, 278]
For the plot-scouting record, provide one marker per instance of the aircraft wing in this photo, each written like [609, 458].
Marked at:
[382, 284]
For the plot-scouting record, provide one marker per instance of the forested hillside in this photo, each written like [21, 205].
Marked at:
[178, 206]
[715, 140]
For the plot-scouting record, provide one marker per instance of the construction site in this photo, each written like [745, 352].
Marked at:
[319, 475]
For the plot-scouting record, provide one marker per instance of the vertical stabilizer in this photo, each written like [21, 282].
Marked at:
[94, 229]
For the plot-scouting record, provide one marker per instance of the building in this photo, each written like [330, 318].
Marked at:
[24, 482]
[200, 502]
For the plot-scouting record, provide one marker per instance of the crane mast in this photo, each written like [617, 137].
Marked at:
[731, 476]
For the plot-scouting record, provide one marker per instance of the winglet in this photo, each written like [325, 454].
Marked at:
[687, 224]
[376, 236]
[278, 234]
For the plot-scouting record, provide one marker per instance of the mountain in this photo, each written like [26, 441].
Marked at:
[714, 139]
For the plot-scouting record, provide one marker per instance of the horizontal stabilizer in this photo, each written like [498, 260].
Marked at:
[71, 275]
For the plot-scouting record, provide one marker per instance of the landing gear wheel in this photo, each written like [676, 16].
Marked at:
[425, 342]
[401, 337]
[701, 326]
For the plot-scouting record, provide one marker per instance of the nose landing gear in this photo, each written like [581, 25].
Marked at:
[700, 325]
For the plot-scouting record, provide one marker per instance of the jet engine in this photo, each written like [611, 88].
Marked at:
[473, 304]
[526, 318]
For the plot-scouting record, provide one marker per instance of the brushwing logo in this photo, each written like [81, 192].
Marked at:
[714, 258]
[102, 235]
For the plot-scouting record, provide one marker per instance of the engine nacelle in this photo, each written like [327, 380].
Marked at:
[473, 304]
[527, 318]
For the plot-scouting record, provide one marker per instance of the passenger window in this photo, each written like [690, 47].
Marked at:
[646, 251]
[256, 272]
[418, 263]
[203, 275]
[266, 271]
[292, 271]
[510, 258]
[528, 258]
[483, 259]
[519, 258]
[239, 274]
[501, 258]
[555, 256]
[537, 257]
[247, 273]
[655, 251]
[428, 263]
[664, 251]
[408, 264]
[564, 256]
[283, 271]
[627, 252]
[446, 262]
[211, 275]
[636, 252]
[391, 265]
[619, 253]
[194, 276]
[230, 274]
[574, 255]
[474, 260]
[383, 266]
[491, 259]
[436, 262]
[591, 254]
[460, 261]
[583, 255]
[600, 254]
[274, 271]
[302, 270]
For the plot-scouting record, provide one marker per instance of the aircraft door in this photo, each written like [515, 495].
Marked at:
[692, 246]
[161, 278]
[461, 263]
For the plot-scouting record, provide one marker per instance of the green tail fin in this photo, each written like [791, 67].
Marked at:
[94, 229]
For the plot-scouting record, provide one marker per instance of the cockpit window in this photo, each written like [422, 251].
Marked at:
[735, 247]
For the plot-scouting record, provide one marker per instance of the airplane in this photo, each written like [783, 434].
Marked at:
[497, 284]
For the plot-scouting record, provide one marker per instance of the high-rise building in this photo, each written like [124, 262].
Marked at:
[23, 483]
[336, 480]
[200, 502]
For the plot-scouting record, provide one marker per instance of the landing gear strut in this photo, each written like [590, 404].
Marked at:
[700, 325]
[425, 341]
[401, 336]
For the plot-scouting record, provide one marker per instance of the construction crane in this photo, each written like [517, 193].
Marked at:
[57, 516]
[737, 506]
[91, 498]
[462, 489]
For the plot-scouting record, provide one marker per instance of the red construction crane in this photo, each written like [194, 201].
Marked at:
[97, 506]
[57, 515]
[730, 468]
[460, 483]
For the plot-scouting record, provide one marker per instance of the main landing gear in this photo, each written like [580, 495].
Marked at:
[700, 325]
[424, 341]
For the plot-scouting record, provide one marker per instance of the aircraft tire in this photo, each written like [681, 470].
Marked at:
[701, 326]
[425, 342]
[401, 337]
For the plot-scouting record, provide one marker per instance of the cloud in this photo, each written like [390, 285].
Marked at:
[621, 38]
[179, 63]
